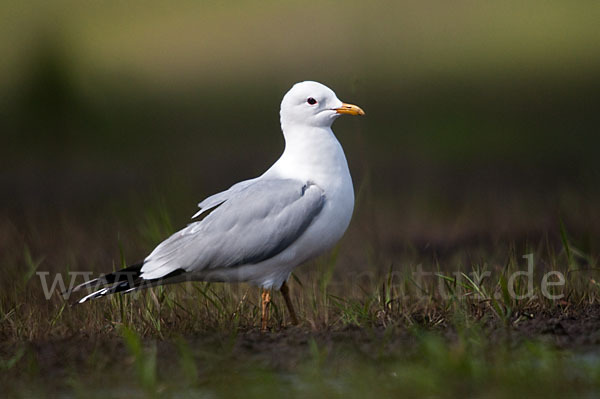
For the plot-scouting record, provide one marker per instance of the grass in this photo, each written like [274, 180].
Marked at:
[351, 365]
[427, 327]
[407, 296]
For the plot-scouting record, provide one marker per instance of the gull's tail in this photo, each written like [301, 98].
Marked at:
[124, 280]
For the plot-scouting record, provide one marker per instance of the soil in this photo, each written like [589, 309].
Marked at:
[569, 328]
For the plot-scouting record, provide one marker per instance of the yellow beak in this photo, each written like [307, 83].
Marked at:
[349, 109]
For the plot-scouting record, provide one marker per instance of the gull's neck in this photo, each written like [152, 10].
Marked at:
[311, 153]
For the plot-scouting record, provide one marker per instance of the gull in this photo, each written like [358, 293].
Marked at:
[260, 229]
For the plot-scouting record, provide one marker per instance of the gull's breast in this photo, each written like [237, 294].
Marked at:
[320, 161]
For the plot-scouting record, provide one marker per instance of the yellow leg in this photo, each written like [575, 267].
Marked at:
[285, 291]
[266, 300]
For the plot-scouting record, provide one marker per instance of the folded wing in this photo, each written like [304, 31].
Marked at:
[253, 223]
[217, 199]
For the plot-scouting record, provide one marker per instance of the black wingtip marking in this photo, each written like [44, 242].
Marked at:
[131, 283]
[128, 273]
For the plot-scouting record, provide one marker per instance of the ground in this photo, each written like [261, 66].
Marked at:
[420, 328]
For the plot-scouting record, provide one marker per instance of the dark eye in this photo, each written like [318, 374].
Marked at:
[311, 101]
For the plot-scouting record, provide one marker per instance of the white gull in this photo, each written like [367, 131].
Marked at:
[260, 229]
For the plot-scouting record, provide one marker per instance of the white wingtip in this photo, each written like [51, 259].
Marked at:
[197, 213]
[93, 295]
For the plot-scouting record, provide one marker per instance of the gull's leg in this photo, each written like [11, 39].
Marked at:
[266, 300]
[285, 291]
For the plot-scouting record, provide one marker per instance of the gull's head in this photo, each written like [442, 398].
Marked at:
[313, 104]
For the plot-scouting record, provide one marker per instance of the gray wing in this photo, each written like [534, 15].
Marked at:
[219, 198]
[252, 224]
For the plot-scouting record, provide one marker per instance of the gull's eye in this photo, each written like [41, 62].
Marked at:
[311, 101]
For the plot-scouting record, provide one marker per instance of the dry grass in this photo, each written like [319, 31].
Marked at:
[328, 295]
[382, 331]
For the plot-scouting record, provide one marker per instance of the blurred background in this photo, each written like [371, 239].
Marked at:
[116, 118]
